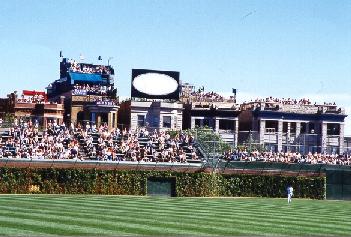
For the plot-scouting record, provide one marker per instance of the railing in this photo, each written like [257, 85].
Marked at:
[276, 166]
[70, 163]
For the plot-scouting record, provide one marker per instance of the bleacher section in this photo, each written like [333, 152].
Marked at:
[149, 150]
[80, 144]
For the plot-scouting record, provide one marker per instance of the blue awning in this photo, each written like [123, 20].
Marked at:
[85, 77]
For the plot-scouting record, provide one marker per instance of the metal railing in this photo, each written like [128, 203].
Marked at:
[76, 163]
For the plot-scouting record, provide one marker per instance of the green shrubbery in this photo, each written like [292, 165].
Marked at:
[92, 181]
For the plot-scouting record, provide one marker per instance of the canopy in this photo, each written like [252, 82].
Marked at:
[85, 77]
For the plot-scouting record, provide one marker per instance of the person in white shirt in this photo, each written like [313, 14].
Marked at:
[290, 191]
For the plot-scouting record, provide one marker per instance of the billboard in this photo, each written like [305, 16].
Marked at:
[152, 84]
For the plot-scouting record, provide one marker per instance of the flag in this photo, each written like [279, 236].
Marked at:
[234, 91]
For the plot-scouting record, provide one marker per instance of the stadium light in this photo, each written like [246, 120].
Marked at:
[108, 61]
[81, 57]
[234, 92]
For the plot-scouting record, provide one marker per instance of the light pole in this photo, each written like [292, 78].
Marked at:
[234, 92]
[250, 137]
[108, 61]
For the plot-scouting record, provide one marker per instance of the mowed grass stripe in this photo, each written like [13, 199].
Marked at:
[243, 210]
[162, 203]
[135, 216]
[135, 221]
[133, 225]
[107, 228]
[246, 221]
[24, 224]
[63, 222]
[194, 204]
[175, 225]
[19, 232]
[231, 231]
[276, 223]
[180, 207]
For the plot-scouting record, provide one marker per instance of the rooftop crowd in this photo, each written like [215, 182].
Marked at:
[86, 89]
[288, 157]
[208, 96]
[90, 142]
[75, 66]
[36, 99]
[289, 101]
[199, 96]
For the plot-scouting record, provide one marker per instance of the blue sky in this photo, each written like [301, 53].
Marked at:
[281, 48]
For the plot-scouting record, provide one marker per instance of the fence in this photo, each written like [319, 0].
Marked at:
[275, 142]
[110, 165]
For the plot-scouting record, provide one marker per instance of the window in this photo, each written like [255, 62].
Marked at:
[197, 122]
[285, 127]
[225, 124]
[272, 124]
[167, 121]
[333, 129]
[141, 120]
[104, 117]
[206, 122]
[293, 128]
[311, 128]
[93, 117]
[156, 122]
[303, 128]
[270, 130]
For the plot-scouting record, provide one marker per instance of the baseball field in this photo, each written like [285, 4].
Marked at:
[83, 215]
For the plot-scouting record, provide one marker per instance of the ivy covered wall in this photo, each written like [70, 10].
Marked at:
[133, 182]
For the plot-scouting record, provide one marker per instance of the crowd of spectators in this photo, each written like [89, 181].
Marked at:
[36, 99]
[285, 101]
[75, 66]
[106, 101]
[288, 157]
[140, 145]
[274, 103]
[24, 140]
[86, 89]
[329, 104]
[206, 97]
[289, 101]
[58, 141]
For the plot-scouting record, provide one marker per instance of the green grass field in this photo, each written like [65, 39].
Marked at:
[123, 215]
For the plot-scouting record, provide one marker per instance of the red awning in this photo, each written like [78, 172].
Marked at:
[32, 93]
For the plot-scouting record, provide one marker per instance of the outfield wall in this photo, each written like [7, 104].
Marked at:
[188, 181]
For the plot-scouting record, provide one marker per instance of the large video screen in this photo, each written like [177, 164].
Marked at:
[152, 84]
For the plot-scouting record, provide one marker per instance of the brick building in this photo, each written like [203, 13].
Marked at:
[290, 126]
[88, 91]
